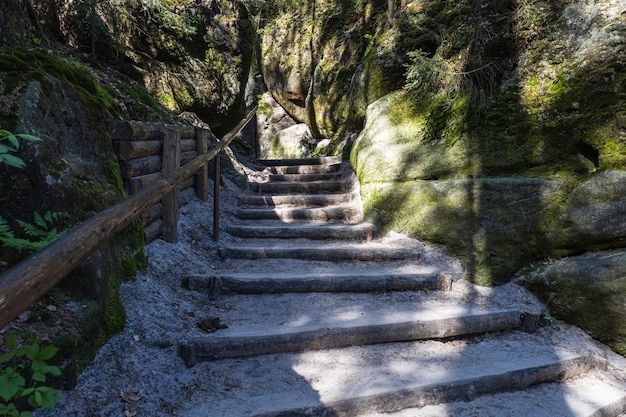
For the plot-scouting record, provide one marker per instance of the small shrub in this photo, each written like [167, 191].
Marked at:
[9, 144]
[23, 371]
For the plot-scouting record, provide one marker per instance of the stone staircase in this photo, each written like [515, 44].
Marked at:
[327, 319]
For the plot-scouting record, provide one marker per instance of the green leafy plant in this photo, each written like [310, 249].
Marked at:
[169, 16]
[23, 371]
[42, 230]
[547, 317]
[9, 144]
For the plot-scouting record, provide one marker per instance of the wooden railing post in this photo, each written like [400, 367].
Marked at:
[171, 161]
[257, 146]
[202, 176]
[216, 198]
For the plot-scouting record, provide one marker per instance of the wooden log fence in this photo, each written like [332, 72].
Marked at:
[146, 151]
[26, 282]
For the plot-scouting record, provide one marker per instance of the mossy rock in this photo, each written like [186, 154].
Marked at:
[593, 215]
[74, 170]
[588, 291]
[426, 169]
[495, 225]
[395, 145]
[293, 142]
[329, 60]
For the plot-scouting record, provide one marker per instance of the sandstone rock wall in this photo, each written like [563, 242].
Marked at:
[65, 68]
[533, 170]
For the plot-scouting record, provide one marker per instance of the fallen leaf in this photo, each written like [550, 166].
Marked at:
[130, 397]
[211, 324]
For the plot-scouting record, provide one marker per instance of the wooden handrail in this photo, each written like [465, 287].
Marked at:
[29, 280]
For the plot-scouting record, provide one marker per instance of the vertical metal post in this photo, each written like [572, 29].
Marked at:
[216, 198]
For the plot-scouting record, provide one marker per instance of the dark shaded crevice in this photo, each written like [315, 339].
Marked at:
[589, 152]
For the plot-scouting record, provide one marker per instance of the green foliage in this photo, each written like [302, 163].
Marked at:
[421, 74]
[166, 14]
[91, 15]
[266, 8]
[9, 144]
[23, 371]
[547, 317]
[41, 231]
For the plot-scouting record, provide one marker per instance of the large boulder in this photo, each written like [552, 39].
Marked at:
[497, 224]
[390, 147]
[321, 63]
[594, 215]
[73, 171]
[588, 290]
[293, 142]
[271, 120]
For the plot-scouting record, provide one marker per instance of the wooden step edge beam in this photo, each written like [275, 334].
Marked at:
[323, 160]
[465, 389]
[338, 232]
[297, 200]
[321, 254]
[216, 347]
[616, 408]
[280, 178]
[216, 285]
[314, 187]
[304, 169]
[349, 215]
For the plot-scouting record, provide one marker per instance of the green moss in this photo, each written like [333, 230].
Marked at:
[127, 260]
[111, 168]
[167, 99]
[594, 307]
[265, 108]
[494, 230]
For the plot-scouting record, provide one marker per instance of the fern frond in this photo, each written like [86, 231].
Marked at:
[42, 232]
[32, 230]
[40, 221]
[5, 231]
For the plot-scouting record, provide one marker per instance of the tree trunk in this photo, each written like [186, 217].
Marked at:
[309, 106]
[391, 12]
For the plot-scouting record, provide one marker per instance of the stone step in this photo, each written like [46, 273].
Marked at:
[314, 187]
[300, 200]
[304, 177]
[324, 160]
[304, 169]
[317, 231]
[512, 373]
[322, 252]
[266, 283]
[351, 333]
[461, 386]
[347, 214]
[589, 394]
